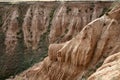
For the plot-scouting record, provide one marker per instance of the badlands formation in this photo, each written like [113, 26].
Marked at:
[79, 57]
[77, 40]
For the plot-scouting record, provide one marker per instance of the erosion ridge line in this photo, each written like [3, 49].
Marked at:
[28, 29]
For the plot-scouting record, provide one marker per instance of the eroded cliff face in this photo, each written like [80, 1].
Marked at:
[35, 24]
[11, 34]
[110, 70]
[70, 18]
[76, 58]
[27, 29]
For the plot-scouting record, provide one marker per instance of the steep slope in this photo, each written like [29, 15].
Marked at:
[76, 58]
[21, 32]
[35, 24]
[11, 37]
[70, 18]
[27, 29]
[110, 70]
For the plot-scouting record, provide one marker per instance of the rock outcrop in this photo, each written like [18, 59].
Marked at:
[73, 60]
[24, 36]
[35, 24]
[11, 33]
[27, 29]
[110, 70]
[70, 18]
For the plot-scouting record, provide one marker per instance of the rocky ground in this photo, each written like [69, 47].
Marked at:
[77, 36]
